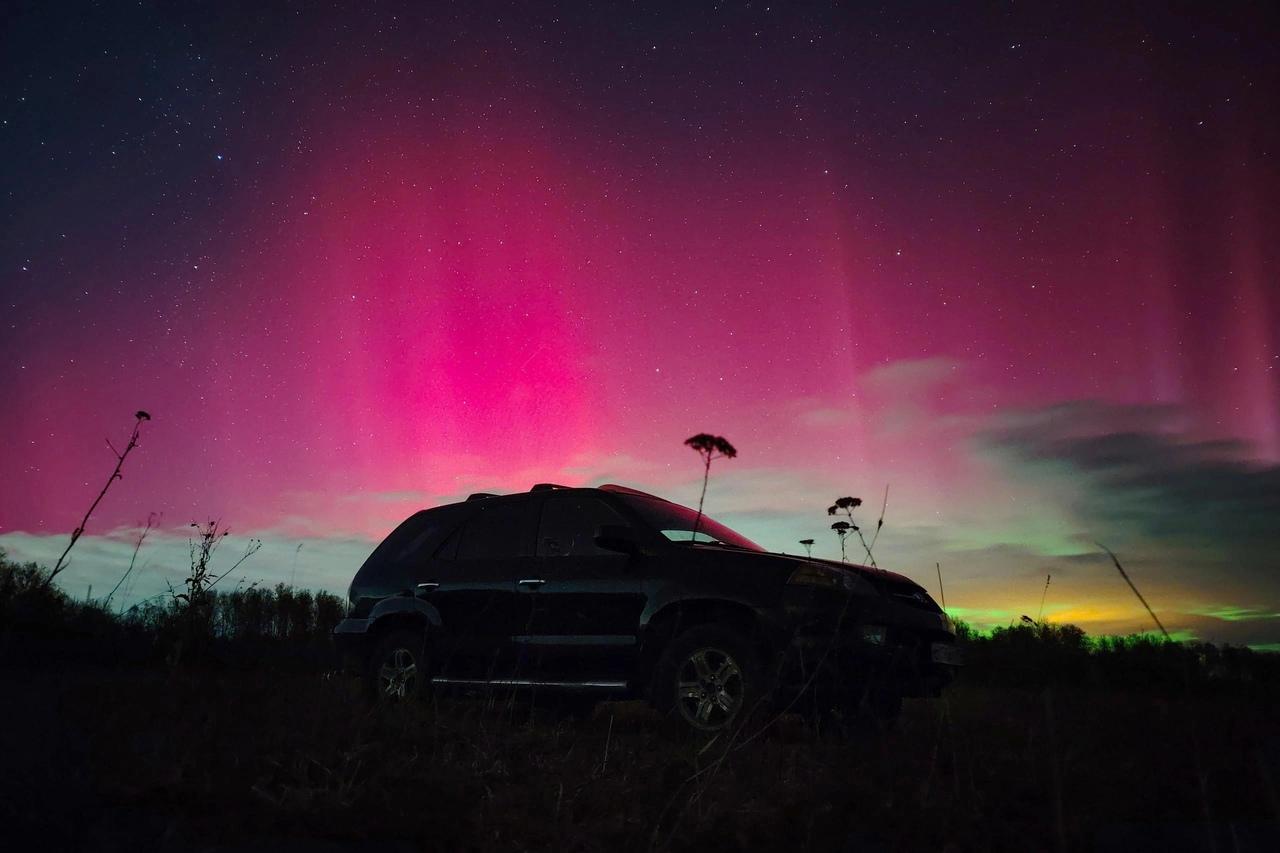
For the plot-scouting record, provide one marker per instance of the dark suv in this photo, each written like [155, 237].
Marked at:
[609, 591]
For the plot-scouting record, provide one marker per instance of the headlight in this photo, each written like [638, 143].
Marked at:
[813, 574]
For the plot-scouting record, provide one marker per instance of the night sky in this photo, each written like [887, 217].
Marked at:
[1016, 263]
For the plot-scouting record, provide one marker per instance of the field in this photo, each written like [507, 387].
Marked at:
[252, 741]
[103, 758]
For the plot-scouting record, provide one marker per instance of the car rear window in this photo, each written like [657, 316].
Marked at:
[392, 563]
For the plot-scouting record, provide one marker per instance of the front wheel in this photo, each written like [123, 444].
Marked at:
[710, 677]
[398, 668]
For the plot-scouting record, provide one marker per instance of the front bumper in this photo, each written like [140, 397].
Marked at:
[867, 643]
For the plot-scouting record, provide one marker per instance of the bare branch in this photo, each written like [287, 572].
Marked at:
[115, 475]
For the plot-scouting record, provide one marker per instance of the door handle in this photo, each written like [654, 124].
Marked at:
[428, 586]
[531, 582]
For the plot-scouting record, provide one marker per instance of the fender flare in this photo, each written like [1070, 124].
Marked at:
[403, 605]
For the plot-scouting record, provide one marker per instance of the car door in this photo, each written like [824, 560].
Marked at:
[471, 581]
[586, 613]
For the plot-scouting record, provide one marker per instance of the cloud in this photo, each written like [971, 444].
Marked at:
[1201, 514]
[923, 396]
[99, 561]
[913, 375]
[825, 416]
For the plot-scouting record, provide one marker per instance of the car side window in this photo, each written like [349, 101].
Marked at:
[448, 549]
[492, 533]
[405, 549]
[568, 525]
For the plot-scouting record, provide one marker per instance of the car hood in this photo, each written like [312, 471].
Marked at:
[875, 575]
[881, 579]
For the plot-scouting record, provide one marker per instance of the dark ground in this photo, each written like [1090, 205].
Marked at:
[103, 758]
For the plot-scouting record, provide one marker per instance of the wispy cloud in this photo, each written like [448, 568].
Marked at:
[99, 561]
[1190, 514]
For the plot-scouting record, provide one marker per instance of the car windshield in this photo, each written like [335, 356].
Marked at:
[676, 523]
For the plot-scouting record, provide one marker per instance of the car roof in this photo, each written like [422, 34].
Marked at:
[545, 487]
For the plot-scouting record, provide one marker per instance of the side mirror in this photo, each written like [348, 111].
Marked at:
[617, 537]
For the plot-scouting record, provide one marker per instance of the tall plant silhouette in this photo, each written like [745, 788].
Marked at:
[133, 561]
[709, 447]
[842, 530]
[121, 455]
[1133, 587]
[194, 606]
[201, 578]
[847, 505]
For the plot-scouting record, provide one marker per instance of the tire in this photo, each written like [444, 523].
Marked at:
[399, 668]
[708, 677]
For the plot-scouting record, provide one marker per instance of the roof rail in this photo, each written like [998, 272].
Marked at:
[623, 490]
[542, 487]
[479, 496]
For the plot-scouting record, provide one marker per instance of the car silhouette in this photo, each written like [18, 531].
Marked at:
[608, 592]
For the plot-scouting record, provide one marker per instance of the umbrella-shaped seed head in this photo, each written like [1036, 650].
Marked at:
[846, 504]
[708, 444]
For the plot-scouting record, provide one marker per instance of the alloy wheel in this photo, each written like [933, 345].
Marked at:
[709, 689]
[397, 677]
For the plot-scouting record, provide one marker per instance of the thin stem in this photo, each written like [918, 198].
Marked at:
[706, 475]
[848, 511]
[137, 546]
[880, 522]
[866, 548]
[1040, 614]
[1125, 575]
[254, 546]
[115, 475]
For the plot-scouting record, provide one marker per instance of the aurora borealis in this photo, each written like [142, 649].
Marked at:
[1018, 265]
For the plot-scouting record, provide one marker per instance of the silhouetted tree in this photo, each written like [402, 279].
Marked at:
[709, 447]
[808, 547]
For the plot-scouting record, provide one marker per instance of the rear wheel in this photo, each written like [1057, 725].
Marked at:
[399, 667]
[709, 677]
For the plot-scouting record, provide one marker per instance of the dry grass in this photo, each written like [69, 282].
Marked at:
[200, 758]
[1051, 742]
